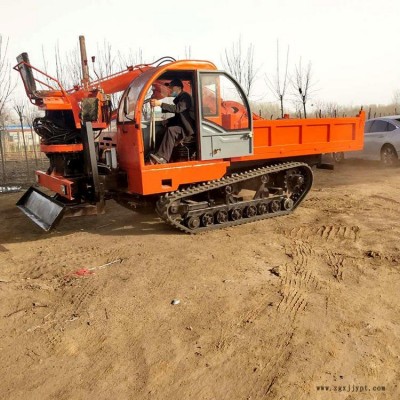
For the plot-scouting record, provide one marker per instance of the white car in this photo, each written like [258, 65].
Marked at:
[381, 142]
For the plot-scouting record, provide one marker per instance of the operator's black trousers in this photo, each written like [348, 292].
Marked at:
[167, 145]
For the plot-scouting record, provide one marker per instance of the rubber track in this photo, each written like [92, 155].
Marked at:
[165, 201]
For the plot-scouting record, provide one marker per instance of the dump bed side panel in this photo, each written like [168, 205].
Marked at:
[298, 137]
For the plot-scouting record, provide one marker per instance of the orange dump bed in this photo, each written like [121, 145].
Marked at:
[299, 137]
[273, 139]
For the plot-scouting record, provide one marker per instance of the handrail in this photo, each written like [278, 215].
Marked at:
[31, 93]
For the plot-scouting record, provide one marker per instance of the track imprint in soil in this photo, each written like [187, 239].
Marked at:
[324, 232]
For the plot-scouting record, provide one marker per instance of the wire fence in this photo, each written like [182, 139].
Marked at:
[20, 157]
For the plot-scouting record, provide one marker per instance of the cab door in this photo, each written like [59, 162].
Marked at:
[225, 118]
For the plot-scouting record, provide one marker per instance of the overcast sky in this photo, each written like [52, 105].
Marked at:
[353, 45]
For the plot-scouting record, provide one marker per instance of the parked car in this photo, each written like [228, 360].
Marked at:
[381, 142]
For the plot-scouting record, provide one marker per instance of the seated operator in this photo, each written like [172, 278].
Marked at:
[179, 127]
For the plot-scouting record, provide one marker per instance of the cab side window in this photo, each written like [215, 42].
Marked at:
[223, 103]
[209, 95]
[127, 106]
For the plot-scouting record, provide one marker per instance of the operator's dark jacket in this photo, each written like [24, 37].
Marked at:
[182, 108]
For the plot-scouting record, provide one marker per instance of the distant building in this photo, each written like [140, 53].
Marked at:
[12, 139]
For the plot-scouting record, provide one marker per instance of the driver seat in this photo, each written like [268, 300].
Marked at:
[185, 149]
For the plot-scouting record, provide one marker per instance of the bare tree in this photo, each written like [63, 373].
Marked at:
[45, 67]
[31, 113]
[241, 65]
[7, 84]
[3, 121]
[278, 85]
[106, 61]
[106, 64]
[188, 52]
[265, 109]
[324, 109]
[74, 66]
[130, 59]
[396, 101]
[302, 84]
[68, 67]
[19, 109]
[298, 109]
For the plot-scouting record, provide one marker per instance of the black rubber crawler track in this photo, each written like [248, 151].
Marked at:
[165, 202]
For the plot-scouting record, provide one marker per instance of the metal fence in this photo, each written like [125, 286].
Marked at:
[20, 156]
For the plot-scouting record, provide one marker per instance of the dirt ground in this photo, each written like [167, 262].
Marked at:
[269, 310]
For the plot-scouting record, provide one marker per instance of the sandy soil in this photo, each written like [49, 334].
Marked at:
[268, 310]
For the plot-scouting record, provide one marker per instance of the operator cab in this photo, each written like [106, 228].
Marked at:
[154, 121]
[223, 121]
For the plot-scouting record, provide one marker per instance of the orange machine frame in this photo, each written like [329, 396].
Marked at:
[272, 139]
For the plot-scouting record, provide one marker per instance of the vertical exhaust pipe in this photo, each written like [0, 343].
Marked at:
[84, 61]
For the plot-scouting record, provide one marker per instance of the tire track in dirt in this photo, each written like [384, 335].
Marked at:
[274, 369]
[298, 282]
[253, 333]
[71, 295]
[297, 279]
[324, 202]
[335, 261]
[384, 198]
[75, 292]
[384, 204]
[324, 232]
[50, 264]
[76, 301]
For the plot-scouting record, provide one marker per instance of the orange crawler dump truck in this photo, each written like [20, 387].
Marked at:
[238, 167]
